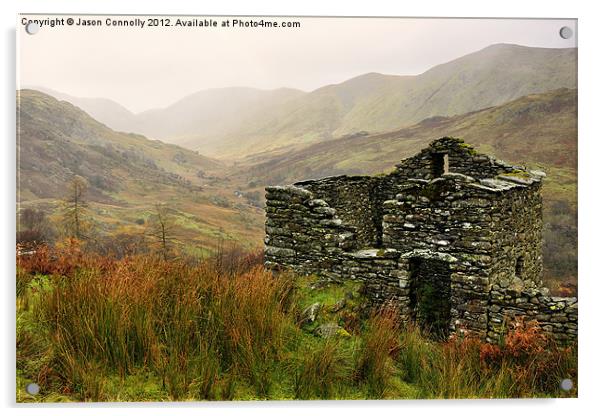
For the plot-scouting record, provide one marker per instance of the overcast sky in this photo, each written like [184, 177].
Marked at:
[143, 68]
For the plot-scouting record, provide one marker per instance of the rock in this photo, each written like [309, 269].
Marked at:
[310, 314]
[279, 252]
[325, 210]
[336, 222]
[331, 329]
[317, 203]
[375, 253]
[516, 287]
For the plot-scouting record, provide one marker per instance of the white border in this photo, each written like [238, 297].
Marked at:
[589, 154]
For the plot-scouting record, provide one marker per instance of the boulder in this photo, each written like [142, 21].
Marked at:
[331, 329]
[310, 314]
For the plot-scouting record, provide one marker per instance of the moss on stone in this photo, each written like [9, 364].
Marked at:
[468, 148]
[518, 174]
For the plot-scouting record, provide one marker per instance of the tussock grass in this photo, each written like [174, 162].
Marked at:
[379, 344]
[524, 364]
[140, 328]
[322, 371]
[189, 324]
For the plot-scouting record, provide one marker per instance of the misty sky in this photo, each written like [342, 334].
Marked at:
[154, 67]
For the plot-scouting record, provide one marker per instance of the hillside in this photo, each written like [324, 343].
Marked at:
[535, 129]
[375, 102]
[236, 122]
[106, 111]
[210, 113]
[58, 140]
[127, 175]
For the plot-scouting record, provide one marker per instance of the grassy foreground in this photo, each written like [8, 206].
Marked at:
[92, 328]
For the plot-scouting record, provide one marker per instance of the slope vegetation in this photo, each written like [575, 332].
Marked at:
[535, 129]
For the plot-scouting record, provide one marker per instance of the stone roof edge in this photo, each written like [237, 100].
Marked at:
[331, 178]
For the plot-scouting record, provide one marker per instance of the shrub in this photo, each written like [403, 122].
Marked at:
[525, 364]
[34, 228]
[118, 245]
[535, 361]
[64, 259]
[231, 259]
[221, 201]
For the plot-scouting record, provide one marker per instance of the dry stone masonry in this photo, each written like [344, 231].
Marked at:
[452, 237]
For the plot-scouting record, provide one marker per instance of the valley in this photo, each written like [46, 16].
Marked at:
[127, 176]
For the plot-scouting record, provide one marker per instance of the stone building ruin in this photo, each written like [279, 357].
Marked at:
[452, 237]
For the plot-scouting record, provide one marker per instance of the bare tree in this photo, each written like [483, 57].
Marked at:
[75, 214]
[161, 229]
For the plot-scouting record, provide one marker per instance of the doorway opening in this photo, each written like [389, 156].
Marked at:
[430, 295]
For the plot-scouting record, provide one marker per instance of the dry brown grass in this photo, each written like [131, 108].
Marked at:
[190, 323]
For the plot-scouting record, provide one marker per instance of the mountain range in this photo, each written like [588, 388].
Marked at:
[237, 122]
[127, 175]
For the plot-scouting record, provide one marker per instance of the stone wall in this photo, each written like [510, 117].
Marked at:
[557, 316]
[446, 218]
[517, 227]
[462, 158]
[358, 202]
[303, 232]
[351, 197]
[477, 236]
